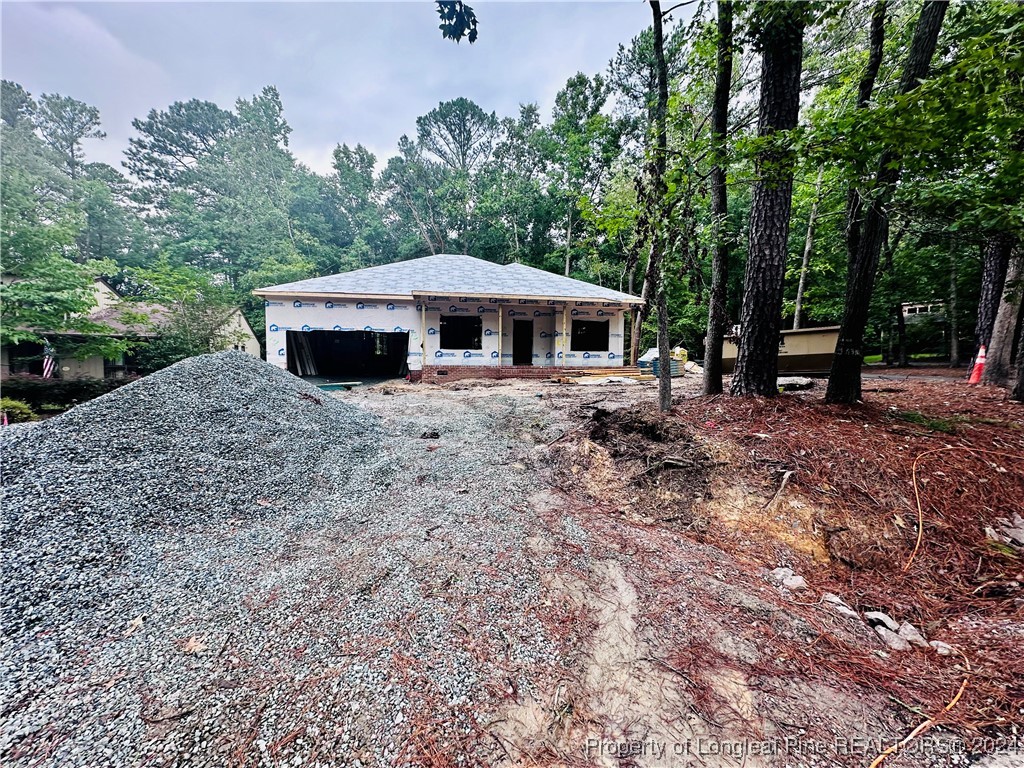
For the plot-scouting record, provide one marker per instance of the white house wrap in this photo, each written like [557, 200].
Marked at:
[442, 311]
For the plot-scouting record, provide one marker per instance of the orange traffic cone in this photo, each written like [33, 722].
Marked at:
[979, 366]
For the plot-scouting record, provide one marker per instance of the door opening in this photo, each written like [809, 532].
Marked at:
[347, 354]
[522, 342]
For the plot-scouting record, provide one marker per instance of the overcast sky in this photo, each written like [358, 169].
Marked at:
[355, 72]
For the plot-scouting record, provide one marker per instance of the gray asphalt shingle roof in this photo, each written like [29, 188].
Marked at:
[447, 274]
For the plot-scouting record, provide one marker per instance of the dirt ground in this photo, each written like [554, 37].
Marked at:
[679, 645]
[541, 574]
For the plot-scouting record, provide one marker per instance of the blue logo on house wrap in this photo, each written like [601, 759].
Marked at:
[400, 329]
[431, 331]
[273, 303]
[481, 310]
[602, 313]
[439, 353]
[494, 355]
[549, 355]
[513, 313]
[390, 307]
[453, 309]
[371, 328]
[544, 335]
[361, 305]
[467, 354]
[274, 327]
[489, 332]
[611, 355]
[579, 313]
[332, 305]
[538, 313]
[300, 304]
[281, 352]
[339, 328]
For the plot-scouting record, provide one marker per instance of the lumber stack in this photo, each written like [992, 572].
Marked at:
[578, 375]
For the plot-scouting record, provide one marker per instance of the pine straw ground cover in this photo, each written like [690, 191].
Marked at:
[860, 472]
[832, 491]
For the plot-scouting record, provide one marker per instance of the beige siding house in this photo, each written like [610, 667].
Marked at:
[135, 320]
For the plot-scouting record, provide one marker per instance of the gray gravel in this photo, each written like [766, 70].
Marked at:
[221, 565]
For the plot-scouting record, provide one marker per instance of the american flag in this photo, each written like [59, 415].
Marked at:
[49, 360]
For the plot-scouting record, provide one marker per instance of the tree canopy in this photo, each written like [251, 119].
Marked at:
[216, 190]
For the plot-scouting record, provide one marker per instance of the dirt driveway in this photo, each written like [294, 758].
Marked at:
[454, 597]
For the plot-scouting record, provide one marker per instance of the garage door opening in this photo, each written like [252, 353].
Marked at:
[348, 354]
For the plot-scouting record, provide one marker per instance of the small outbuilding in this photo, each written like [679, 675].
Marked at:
[443, 316]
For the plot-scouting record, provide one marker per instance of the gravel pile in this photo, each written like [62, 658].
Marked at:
[210, 438]
[221, 565]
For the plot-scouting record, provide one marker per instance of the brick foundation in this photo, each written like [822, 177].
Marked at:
[442, 373]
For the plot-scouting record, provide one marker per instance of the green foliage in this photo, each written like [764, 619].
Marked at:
[39, 392]
[47, 291]
[16, 411]
[947, 426]
[63, 124]
[217, 204]
[197, 312]
[457, 20]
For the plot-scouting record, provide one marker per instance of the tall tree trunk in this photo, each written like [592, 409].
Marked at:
[659, 190]
[1000, 351]
[901, 337]
[954, 325]
[717, 316]
[757, 364]
[808, 250]
[844, 382]
[568, 245]
[664, 350]
[647, 295]
[866, 86]
[897, 305]
[995, 260]
[1018, 388]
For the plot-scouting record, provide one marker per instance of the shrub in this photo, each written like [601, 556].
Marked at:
[37, 391]
[16, 410]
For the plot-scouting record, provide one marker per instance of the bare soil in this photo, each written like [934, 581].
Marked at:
[688, 652]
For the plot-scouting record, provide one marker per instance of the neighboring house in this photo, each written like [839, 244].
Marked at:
[936, 309]
[443, 315]
[126, 320]
[804, 350]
